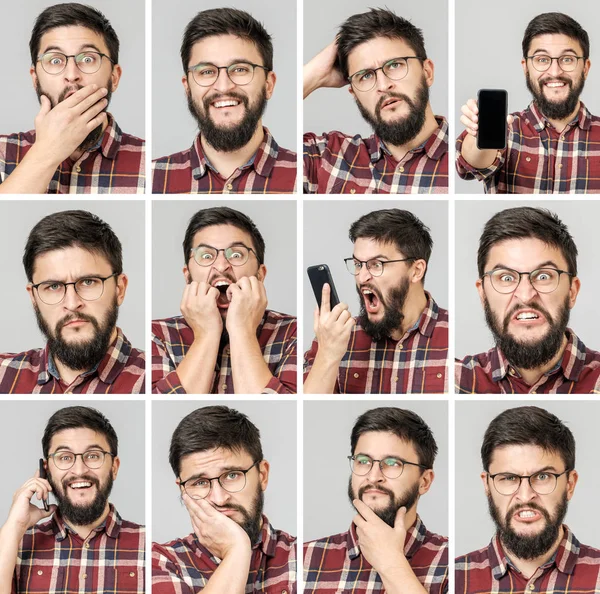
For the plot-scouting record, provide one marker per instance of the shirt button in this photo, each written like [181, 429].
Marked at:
[352, 191]
[534, 392]
[401, 169]
[528, 159]
[400, 347]
[132, 574]
[396, 379]
[230, 186]
[562, 137]
[439, 376]
[224, 387]
[532, 587]
[284, 592]
[356, 375]
[559, 165]
[87, 545]
[78, 169]
[84, 575]
[40, 572]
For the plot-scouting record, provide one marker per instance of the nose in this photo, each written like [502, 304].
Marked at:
[79, 467]
[525, 492]
[375, 475]
[72, 300]
[364, 274]
[221, 263]
[383, 83]
[71, 72]
[217, 494]
[223, 82]
[525, 292]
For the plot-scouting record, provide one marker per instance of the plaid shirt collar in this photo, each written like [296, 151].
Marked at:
[572, 362]
[583, 119]
[428, 320]
[111, 525]
[414, 539]
[119, 350]
[263, 160]
[565, 558]
[110, 142]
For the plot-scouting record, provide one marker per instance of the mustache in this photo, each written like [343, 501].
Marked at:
[72, 317]
[523, 307]
[559, 78]
[381, 489]
[402, 96]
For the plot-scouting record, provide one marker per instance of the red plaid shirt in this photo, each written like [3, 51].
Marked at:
[116, 165]
[574, 569]
[335, 564]
[121, 371]
[54, 559]
[272, 170]
[539, 159]
[578, 372]
[414, 364]
[339, 164]
[172, 337]
[184, 566]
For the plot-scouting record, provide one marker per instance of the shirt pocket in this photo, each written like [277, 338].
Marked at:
[353, 185]
[352, 381]
[434, 381]
[126, 580]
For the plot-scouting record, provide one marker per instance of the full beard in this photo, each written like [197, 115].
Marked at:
[252, 518]
[392, 316]
[557, 110]
[79, 355]
[399, 132]
[531, 546]
[228, 138]
[530, 354]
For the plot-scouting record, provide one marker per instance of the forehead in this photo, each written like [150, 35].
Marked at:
[78, 440]
[70, 261]
[367, 247]
[384, 443]
[524, 254]
[222, 236]
[524, 459]
[214, 461]
[555, 44]
[72, 38]
[377, 51]
[223, 49]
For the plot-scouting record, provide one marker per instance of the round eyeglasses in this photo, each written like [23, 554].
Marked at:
[87, 62]
[240, 73]
[206, 255]
[375, 267]
[567, 63]
[391, 467]
[89, 289]
[543, 482]
[543, 280]
[233, 481]
[395, 69]
[64, 459]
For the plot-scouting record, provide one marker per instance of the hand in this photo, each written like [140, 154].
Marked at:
[219, 534]
[60, 130]
[332, 326]
[321, 71]
[470, 117]
[199, 308]
[381, 545]
[248, 302]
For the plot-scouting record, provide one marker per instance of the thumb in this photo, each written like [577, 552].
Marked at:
[399, 522]
[510, 119]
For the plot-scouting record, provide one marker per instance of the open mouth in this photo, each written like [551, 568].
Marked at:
[224, 297]
[391, 103]
[527, 516]
[554, 84]
[225, 103]
[371, 300]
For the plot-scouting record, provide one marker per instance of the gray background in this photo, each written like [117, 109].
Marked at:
[276, 422]
[276, 221]
[488, 54]
[20, 106]
[332, 422]
[335, 109]
[472, 334]
[474, 527]
[173, 128]
[22, 425]
[326, 225]
[18, 328]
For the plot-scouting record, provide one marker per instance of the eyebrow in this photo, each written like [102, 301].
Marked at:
[51, 280]
[94, 446]
[204, 475]
[229, 246]
[377, 257]
[542, 265]
[396, 456]
[53, 48]
[549, 467]
[545, 51]
[231, 63]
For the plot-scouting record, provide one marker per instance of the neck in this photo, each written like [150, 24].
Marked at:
[429, 127]
[85, 531]
[413, 308]
[529, 566]
[410, 518]
[227, 162]
[78, 152]
[531, 376]
[560, 125]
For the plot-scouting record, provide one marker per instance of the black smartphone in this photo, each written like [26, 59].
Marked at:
[319, 275]
[493, 110]
[43, 476]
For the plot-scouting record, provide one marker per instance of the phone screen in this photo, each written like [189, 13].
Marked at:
[493, 109]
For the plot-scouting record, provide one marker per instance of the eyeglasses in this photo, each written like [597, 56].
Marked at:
[394, 69]
[391, 467]
[93, 459]
[375, 267]
[543, 483]
[89, 289]
[567, 63]
[543, 280]
[240, 73]
[87, 62]
[233, 481]
[206, 255]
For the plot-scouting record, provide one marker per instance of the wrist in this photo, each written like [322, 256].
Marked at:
[44, 159]
[310, 82]
[12, 532]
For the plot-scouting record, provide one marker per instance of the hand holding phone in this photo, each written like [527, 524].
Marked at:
[492, 105]
[318, 276]
[44, 476]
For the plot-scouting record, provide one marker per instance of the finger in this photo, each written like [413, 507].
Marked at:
[99, 120]
[95, 110]
[364, 510]
[510, 119]
[45, 105]
[399, 522]
[359, 521]
[325, 299]
[87, 104]
[336, 312]
[194, 507]
[81, 95]
[469, 124]
[472, 105]
[213, 292]
[466, 111]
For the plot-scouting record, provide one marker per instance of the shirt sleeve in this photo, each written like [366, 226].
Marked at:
[468, 172]
[284, 380]
[309, 359]
[313, 150]
[164, 375]
[166, 574]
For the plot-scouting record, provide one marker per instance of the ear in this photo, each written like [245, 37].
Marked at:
[187, 275]
[486, 484]
[122, 282]
[271, 80]
[586, 67]
[574, 291]
[263, 470]
[524, 65]
[481, 291]
[419, 268]
[425, 481]
[29, 288]
[571, 482]
[33, 74]
[428, 70]
[186, 86]
[115, 77]
[351, 91]
[262, 272]
[115, 467]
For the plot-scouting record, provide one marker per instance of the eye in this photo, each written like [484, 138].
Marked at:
[392, 462]
[53, 287]
[362, 460]
[66, 457]
[235, 255]
[542, 59]
[206, 256]
[542, 476]
[207, 72]
[88, 282]
[240, 69]
[93, 455]
[375, 264]
[507, 478]
[567, 60]
[199, 483]
[234, 475]
[367, 75]
[507, 277]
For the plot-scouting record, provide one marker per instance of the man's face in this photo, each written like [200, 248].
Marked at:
[221, 273]
[383, 495]
[226, 126]
[528, 326]
[394, 108]
[528, 523]
[245, 506]
[81, 492]
[78, 331]
[555, 91]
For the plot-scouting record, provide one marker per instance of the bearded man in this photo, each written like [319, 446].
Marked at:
[527, 263]
[399, 342]
[383, 59]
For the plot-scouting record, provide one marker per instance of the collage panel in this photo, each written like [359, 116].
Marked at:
[81, 526]
[393, 258]
[73, 315]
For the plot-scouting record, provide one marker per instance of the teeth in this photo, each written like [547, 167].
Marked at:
[526, 514]
[80, 485]
[222, 284]
[230, 103]
[367, 292]
[555, 84]
[527, 316]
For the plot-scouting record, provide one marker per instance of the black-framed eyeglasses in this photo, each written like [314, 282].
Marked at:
[391, 467]
[567, 63]
[543, 280]
[394, 69]
[87, 62]
[89, 288]
[543, 482]
[375, 267]
[233, 481]
[240, 73]
[236, 255]
[64, 459]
